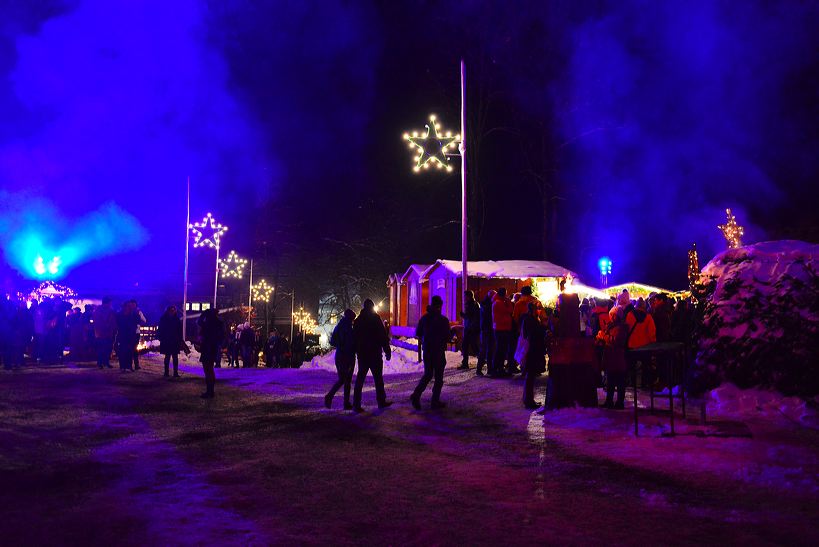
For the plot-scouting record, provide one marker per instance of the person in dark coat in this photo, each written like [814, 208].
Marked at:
[247, 343]
[169, 333]
[211, 335]
[343, 340]
[105, 327]
[370, 341]
[127, 338]
[487, 352]
[534, 360]
[472, 328]
[433, 332]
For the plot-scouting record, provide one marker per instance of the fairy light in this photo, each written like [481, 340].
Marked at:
[732, 231]
[232, 266]
[432, 146]
[693, 266]
[262, 291]
[217, 231]
[51, 289]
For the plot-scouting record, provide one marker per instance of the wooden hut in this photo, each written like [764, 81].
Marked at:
[443, 278]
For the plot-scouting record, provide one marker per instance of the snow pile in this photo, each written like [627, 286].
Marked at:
[761, 318]
[729, 400]
[403, 361]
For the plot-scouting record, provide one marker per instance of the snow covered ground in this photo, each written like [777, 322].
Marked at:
[91, 456]
[751, 436]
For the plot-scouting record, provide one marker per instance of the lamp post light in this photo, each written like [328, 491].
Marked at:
[433, 150]
[213, 241]
[605, 270]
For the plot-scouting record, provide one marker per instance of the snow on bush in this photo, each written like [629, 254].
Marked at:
[760, 322]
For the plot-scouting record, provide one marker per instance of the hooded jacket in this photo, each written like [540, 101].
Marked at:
[370, 336]
[433, 331]
[502, 309]
[641, 326]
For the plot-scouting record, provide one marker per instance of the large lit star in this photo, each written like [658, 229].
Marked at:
[208, 224]
[232, 266]
[432, 147]
[262, 291]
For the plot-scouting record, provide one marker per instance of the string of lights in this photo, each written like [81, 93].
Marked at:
[432, 146]
[732, 231]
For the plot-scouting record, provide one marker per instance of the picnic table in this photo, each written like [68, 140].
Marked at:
[670, 353]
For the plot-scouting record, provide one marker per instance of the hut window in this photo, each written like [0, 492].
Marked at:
[413, 294]
[441, 283]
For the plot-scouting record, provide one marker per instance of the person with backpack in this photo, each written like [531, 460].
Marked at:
[433, 332]
[211, 335]
[343, 340]
[370, 341]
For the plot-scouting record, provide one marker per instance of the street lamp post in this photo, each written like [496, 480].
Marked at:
[213, 241]
[433, 150]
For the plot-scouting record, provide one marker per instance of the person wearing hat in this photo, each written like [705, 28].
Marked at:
[433, 332]
[370, 341]
[342, 339]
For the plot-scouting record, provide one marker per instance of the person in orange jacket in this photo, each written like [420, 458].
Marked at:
[522, 305]
[642, 330]
[502, 309]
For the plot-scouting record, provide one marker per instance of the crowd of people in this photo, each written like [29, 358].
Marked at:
[508, 335]
[511, 336]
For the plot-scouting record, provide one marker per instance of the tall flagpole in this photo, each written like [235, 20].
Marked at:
[250, 293]
[216, 280]
[464, 272]
[187, 245]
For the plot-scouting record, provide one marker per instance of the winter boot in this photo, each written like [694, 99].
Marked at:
[416, 401]
[208, 394]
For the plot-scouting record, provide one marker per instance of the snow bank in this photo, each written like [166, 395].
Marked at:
[403, 361]
[761, 318]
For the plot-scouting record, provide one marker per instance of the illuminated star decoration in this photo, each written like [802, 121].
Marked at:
[262, 291]
[232, 266]
[208, 223]
[432, 147]
[732, 231]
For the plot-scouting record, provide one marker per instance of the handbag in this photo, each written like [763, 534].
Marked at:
[522, 349]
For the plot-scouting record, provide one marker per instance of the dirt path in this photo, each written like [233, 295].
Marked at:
[93, 457]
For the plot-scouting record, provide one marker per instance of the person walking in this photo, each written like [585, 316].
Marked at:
[502, 309]
[472, 328]
[343, 340]
[140, 322]
[487, 352]
[534, 358]
[105, 326]
[169, 334]
[370, 341]
[247, 342]
[211, 335]
[127, 323]
[433, 332]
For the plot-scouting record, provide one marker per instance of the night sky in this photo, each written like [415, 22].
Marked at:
[594, 128]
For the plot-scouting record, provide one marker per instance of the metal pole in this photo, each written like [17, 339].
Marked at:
[292, 311]
[250, 293]
[216, 279]
[187, 245]
[464, 272]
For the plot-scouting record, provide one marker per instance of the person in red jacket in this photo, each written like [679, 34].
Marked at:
[502, 309]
